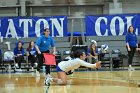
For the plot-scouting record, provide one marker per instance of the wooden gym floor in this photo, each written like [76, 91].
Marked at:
[79, 82]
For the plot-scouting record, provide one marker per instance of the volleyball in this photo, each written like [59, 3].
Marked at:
[104, 47]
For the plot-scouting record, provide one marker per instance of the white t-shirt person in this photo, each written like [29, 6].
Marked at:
[74, 64]
[65, 66]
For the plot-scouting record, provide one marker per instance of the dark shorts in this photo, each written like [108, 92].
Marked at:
[58, 69]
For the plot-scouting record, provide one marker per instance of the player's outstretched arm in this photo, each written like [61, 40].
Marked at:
[96, 65]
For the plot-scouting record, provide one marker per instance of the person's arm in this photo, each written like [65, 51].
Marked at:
[128, 47]
[22, 51]
[90, 55]
[38, 42]
[54, 50]
[84, 63]
[53, 46]
[127, 44]
[95, 57]
[37, 49]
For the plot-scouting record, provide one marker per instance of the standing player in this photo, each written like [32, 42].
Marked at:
[66, 66]
[42, 46]
[131, 45]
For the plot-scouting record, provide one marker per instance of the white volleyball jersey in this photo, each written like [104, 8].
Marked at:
[74, 64]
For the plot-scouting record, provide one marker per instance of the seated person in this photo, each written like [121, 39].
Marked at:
[31, 52]
[19, 54]
[93, 53]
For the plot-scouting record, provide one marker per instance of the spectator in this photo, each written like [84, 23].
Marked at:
[19, 54]
[31, 52]
[93, 53]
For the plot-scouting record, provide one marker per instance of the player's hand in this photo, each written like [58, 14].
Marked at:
[98, 64]
[53, 53]
[137, 49]
[39, 52]
[129, 49]
[96, 57]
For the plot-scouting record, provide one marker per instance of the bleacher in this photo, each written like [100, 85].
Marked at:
[116, 42]
[63, 44]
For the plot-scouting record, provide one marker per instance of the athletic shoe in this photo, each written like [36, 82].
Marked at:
[47, 81]
[37, 73]
[16, 65]
[32, 69]
[19, 70]
[48, 75]
[36, 64]
[37, 79]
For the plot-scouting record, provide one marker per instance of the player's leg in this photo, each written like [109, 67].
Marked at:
[47, 69]
[62, 78]
[18, 63]
[132, 56]
[40, 63]
[32, 60]
[129, 59]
